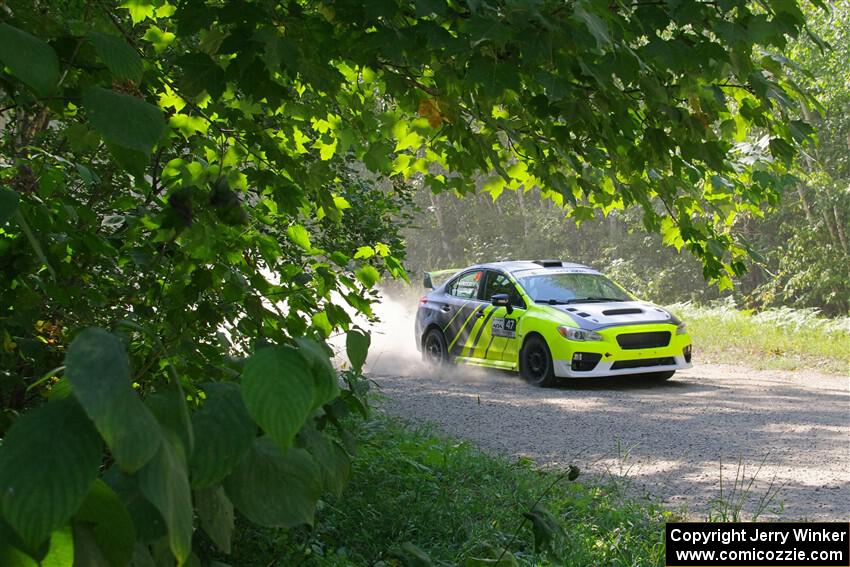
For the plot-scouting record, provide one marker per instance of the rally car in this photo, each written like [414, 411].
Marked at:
[547, 319]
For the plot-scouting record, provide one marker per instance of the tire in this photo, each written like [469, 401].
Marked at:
[659, 376]
[435, 350]
[535, 362]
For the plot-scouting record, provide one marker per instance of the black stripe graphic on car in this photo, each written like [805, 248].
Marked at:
[460, 310]
[491, 310]
[486, 350]
[456, 346]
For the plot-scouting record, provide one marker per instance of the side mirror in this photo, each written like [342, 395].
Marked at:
[502, 300]
[426, 281]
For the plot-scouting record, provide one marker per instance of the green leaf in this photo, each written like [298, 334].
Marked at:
[123, 119]
[357, 348]
[61, 550]
[279, 391]
[332, 459]
[30, 59]
[275, 489]
[86, 550]
[48, 460]
[120, 58]
[201, 73]
[368, 275]
[111, 525]
[223, 434]
[299, 235]
[11, 553]
[99, 373]
[324, 374]
[595, 25]
[139, 9]
[133, 162]
[9, 200]
[165, 483]
[216, 514]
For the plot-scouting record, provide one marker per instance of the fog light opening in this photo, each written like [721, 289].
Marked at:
[687, 353]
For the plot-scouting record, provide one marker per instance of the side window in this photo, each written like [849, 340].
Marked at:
[466, 286]
[499, 283]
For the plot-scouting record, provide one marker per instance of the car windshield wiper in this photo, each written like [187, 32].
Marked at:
[553, 301]
[592, 299]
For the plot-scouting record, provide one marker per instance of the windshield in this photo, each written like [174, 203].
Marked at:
[572, 288]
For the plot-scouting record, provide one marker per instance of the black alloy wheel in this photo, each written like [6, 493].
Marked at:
[435, 351]
[535, 362]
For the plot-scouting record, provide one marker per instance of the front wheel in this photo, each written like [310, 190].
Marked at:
[435, 351]
[535, 362]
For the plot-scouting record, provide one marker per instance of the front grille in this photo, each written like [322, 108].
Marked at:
[654, 339]
[643, 362]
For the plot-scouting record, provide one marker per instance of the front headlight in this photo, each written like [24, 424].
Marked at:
[579, 334]
[681, 329]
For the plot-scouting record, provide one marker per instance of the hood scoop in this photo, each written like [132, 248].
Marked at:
[626, 311]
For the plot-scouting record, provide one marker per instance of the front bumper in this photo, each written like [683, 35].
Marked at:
[563, 368]
[613, 359]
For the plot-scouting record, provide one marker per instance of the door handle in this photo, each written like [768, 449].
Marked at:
[445, 308]
[480, 314]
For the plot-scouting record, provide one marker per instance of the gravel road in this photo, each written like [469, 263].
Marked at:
[665, 441]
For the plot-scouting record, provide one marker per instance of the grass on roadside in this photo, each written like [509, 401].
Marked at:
[454, 502]
[787, 339]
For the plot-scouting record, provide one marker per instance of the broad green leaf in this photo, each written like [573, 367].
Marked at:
[149, 524]
[86, 550]
[299, 235]
[275, 489]
[124, 119]
[8, 204]
[110, 522]
[357, 348]
[133, 162]
[201, 73]
[120, 58]
[165, 483]
[223, 433]
[368, 275]
[216, 514]
[99, 373]
[48, 460]
[170, 409]
[11, 548]
[324, 374]
[278, 389]
[333, 461]
[61, 550]
[30, 59]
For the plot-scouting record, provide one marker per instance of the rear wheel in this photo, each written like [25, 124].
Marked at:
[435, 352]
[535, 362]
[659, 376]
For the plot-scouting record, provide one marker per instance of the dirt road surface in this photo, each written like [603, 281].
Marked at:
[666, 441]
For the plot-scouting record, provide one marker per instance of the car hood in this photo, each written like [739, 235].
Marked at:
[593, 316]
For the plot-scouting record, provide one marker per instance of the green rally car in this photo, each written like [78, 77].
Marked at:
[547, 319]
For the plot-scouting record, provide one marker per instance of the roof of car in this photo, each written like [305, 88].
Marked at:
[527, 267]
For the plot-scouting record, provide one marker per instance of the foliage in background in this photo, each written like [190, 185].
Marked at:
[190, 194]
[801, 257]
[793, 339]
